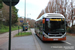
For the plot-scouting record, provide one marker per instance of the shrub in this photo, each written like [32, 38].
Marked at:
[69, 30]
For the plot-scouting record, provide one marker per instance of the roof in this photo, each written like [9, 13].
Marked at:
[53, 15]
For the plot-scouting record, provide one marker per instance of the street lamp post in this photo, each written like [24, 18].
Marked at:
[72, 11]
[25, 12]
[65, 5]
[28, 14]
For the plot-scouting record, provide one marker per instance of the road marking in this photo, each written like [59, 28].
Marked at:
[68, 43]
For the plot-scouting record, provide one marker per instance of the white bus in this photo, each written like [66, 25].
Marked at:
[51, 27]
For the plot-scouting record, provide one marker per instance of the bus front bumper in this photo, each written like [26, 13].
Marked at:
[47, 38]
[53, 39]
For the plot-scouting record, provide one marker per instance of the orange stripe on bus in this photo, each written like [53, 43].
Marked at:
[51, 39]
[43, 21]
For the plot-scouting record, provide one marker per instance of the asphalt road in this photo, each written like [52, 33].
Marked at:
[69, 44]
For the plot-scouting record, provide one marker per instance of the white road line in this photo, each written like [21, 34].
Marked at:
[68, 43]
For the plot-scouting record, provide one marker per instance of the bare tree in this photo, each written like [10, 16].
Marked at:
[42, 12]
[64, 7]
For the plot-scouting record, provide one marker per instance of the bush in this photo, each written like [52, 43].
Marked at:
[69, 30]
[1, 5]
[4, 28]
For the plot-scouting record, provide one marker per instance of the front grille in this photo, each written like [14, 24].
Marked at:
[55, 34]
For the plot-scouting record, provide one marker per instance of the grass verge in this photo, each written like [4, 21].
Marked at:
[4, 29]
[23, 34]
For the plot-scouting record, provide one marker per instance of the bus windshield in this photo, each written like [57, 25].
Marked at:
[55, 26]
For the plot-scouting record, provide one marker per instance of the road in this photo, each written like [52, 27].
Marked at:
[22, 42]
[69, 44]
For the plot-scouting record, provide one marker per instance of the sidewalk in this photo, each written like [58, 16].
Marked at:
[22, 43]
[4, 37]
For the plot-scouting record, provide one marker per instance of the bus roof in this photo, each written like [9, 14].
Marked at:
[53, 15]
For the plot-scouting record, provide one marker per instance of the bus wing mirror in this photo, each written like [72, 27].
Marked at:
[66, 24]
[43, 21]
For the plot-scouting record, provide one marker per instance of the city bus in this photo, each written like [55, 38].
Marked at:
[51, 27]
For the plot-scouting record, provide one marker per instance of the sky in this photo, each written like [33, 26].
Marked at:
[33, 8]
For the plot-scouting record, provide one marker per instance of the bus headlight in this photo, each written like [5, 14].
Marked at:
[64, 36]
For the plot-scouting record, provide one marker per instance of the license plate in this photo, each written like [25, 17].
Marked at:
[55, 39]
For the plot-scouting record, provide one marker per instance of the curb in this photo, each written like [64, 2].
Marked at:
[36, 43]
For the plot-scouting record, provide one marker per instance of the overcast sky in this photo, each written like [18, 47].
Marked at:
[33, 8]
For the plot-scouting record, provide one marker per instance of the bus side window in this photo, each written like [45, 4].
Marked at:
[35, 24]
[40, 25]
[49, 25]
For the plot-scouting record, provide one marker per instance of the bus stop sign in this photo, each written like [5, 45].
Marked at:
[13, 2]
[21, 21]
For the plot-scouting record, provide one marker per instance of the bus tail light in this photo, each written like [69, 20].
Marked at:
[43, 21]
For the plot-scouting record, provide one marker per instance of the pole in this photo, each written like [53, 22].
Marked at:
[65, 8]
[10, 25]
[56, 6]
[72, 12]
[18, 30]
[25, 12]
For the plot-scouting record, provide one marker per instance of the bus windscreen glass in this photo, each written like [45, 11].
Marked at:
[55, 25]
